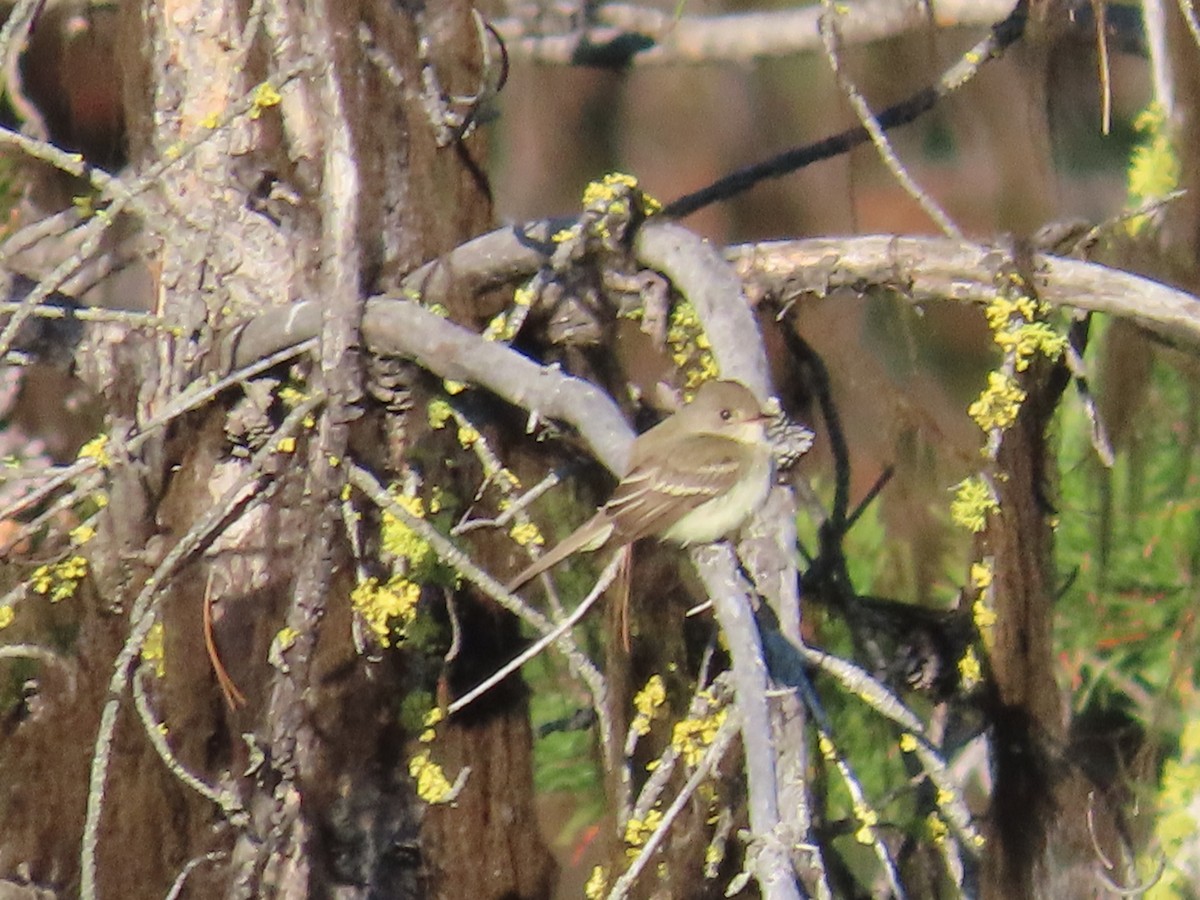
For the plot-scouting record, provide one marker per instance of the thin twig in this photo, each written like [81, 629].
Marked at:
[1154, 17]
[447, 553]
[706, 699]
[86, 314]
[229, 803]
[606, 578]
[712, 756]
[1188, 8]
[868, 832]
[509, 512]
[196, 395]
[181, 879]
[829, 38]
[44, 655]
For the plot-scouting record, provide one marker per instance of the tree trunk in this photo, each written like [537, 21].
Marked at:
[351, 175]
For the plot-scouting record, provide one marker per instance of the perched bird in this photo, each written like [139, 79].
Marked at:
[693, 478]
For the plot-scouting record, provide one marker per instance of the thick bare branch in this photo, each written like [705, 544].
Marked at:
[625, 33]
[924, 269]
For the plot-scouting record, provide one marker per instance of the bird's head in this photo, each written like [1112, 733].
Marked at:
[727, 408]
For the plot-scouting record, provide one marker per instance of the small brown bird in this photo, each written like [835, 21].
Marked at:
[693, 478]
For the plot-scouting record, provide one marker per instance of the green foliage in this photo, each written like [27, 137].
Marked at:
[1177, 822]
[1128, 544]
[1129, 547]
[564, 757]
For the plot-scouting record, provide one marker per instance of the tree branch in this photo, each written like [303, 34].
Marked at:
[625, 34]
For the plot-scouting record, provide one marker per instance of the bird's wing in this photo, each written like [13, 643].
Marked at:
[653, 497]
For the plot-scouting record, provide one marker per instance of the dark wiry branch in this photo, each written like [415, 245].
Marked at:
[1002, 35]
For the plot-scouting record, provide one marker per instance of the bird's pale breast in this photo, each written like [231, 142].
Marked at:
[725, 513]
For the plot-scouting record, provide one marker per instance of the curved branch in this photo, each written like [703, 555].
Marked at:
[701, 274]
[403, 328]
[921, 269]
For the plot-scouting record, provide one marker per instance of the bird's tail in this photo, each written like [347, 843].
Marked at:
[589, 536]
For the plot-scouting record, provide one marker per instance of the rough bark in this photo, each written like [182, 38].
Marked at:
[245, 220]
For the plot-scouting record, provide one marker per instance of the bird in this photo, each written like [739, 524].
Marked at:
[694, 478]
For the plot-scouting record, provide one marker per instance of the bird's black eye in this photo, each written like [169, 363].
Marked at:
[726, 415]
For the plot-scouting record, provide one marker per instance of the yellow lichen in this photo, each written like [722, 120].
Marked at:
[985, 616]
[439, 413]
[867, 819]
[981, 575]
[434, 717]
[1153, 166]
[526, 534]
[59, 580]
[403, 543]
[1002, 310]
[432, 784]
[6, 615]
[467, 435]
[263, 97]
[691, 349]
[973, 503]
[691, 737]
[154, 650]
[1026, 341]
[828, 751]
[611, 193]
[999, 404]
[524, 296]
[937, 829]
[638, 831]
[291, 395]
[505, 480]
[82, 533]
[597, 884]
[502, 327]
[97, 449]
[647, 702]
[388, 609]
[969, 669]
[285, 637]
[908, 742]
[431, 721]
